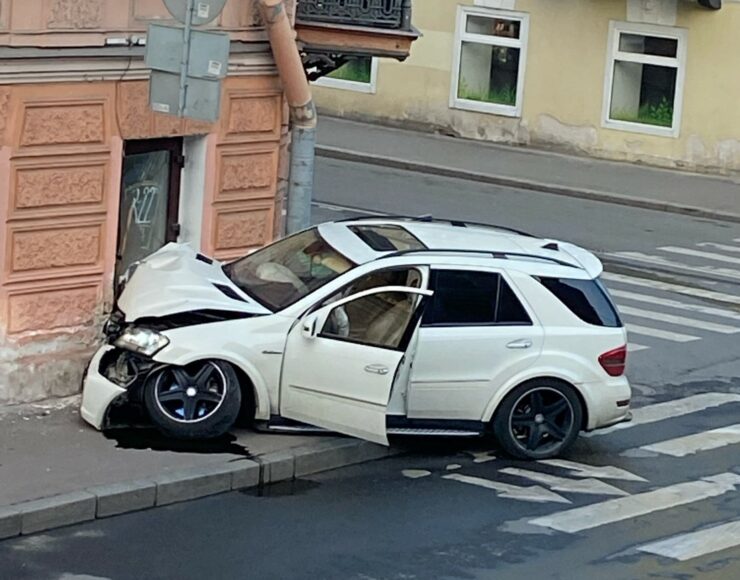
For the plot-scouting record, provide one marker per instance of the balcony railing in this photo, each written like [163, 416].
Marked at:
[390, 14]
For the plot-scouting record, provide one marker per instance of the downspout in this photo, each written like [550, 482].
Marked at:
[302, 112]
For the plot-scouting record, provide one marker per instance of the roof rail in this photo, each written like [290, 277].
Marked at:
[498, 255]
[431, 219]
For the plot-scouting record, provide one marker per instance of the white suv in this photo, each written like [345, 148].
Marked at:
[371, 327]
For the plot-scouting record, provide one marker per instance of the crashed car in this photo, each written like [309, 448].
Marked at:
[371, 327]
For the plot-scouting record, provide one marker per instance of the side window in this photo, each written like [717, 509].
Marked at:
[587, 299]
[463, 298]
[408, 277]
[509, 310]
[376, 320]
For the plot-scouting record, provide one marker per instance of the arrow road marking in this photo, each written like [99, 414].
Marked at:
[695, 544]
[670, 409]
[623, 508]
[482, 456]
[692, 444]
[416, 473]
[534, 493]
[584, 470]
[565, 485]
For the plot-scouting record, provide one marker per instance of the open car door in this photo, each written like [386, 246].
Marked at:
[341, 361]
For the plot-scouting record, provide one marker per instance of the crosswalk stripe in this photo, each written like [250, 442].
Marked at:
[722, 247]
[679, 320]
[670, 409]
[657, 333]
[692, 545]
[634, 347]
[692, 444]
[534, 493]
[622, 508]
[565, 485]
[649, 299]
[660, 261]
[586, 470]
[669, 287]
[700, 254]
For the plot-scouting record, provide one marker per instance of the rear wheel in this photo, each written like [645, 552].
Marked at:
[538, 420]
[198, 401]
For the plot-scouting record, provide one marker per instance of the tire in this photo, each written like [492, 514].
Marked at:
[199, 401]
[539, 419]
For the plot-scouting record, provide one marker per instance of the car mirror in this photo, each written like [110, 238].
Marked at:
[310, 326]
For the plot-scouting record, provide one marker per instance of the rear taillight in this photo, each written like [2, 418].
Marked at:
[614, 361]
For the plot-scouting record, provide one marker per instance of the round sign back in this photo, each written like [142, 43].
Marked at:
[204, 11]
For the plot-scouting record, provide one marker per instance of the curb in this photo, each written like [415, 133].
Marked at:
[590, 194]
[120, 498]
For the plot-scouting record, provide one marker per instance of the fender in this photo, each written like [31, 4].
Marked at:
[528, 375]
[261, 393]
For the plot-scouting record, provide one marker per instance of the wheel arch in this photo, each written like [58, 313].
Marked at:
[495, 402]
[245, 371]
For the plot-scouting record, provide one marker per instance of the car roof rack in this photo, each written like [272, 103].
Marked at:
[431, 219]
[496, 254]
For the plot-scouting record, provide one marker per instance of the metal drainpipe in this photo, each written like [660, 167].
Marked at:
[302, 112]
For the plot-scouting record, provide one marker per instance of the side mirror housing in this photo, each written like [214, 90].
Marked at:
[310, 327]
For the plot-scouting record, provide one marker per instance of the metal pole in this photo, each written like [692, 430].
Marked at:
[406, 15]
[302, 155]
[185, 58]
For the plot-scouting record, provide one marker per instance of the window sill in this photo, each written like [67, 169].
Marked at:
[630, 127]
[488, 108]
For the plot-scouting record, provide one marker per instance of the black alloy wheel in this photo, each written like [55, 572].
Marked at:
[539, 420]
[201, 400]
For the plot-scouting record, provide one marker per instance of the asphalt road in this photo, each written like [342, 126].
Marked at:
[454, 509]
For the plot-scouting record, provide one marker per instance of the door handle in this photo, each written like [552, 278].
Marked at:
[522, 343]
[377, 369]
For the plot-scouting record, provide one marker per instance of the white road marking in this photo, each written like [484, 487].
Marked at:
[692, 444]
[663, 334]
[722, 247]
[585, 470]
[623, 508]
[634, 347]
[481, 456]
[416, 473]
[679, 320]
[660, 261]
[534, 493]
[696, 544]
[453, 467]
[565, 485]
[669, 287]
[676, 408]
[700, 254]
[676, 304]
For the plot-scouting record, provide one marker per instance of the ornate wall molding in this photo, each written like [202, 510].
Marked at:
[60, 188]
[254, 118]
[239, 230]
[56, 249]
[53, 309]
[76, 14]
[246, 174]
[4, 106]
[63, 124]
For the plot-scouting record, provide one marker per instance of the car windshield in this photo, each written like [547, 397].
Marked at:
[286, 271]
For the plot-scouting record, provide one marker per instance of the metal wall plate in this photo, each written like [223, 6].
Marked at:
[204, 11]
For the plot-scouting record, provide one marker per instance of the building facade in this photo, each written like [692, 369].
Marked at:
[652, 81]
[91, 180]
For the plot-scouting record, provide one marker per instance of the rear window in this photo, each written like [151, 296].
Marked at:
[587, 299]
[388, 238]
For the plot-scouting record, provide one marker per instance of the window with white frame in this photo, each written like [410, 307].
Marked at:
[357, 74]
[490, 56]
[644, 78]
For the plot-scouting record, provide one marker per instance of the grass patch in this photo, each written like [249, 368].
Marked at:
[503, 96]
[359, 70]
[660, 115]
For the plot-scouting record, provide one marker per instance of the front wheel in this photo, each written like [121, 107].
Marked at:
[538, 420]
[198, 401]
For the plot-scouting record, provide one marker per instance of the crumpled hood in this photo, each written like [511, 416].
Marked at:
[174, 280]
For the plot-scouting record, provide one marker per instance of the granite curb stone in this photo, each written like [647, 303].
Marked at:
[57, 511]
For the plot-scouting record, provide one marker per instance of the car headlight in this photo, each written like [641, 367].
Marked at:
[142, 340]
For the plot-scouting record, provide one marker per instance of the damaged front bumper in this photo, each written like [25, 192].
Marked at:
[113, 375]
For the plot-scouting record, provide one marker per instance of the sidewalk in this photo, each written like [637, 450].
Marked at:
[55, 470]
[533, 169]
